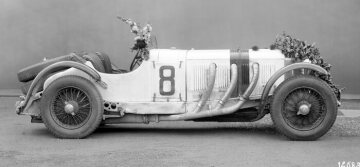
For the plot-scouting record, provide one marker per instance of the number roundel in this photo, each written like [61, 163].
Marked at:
[167, 78]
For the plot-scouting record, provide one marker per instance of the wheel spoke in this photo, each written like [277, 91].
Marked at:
[73, 117]
[61, 98]
[71, 107]
[77, 95]
[290, 103]
[305, 121]
[299, 97]
[289, 108]
[82, 99]
[85, 105]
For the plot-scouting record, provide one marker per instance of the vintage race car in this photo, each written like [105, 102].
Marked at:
[74, 94]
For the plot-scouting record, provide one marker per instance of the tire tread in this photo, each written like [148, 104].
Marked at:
[281, 129]
[93, 126]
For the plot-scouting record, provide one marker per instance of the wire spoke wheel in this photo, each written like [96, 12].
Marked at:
[304, 109]
[71, 108]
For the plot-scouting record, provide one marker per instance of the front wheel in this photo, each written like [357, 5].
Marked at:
[71, 107]
[303, 108]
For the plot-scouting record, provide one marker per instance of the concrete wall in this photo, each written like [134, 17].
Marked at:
[31, 30]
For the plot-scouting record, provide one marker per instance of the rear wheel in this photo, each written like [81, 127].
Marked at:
[303, 108]
[71, 107]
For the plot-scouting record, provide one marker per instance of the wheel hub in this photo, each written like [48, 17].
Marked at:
[304, 108]
[71, 107]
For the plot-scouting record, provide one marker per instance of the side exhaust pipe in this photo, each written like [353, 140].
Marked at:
[233, 82]
[206, 95]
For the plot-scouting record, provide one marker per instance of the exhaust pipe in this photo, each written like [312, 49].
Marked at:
[206, 95]
[233, 82]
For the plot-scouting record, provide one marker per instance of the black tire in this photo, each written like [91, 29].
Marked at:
[318, 103]
[95, 60]
[30, 72]
[106, 62]
[64, 107]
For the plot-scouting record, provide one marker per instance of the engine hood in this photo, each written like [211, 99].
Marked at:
[181, 55]
[266, 54]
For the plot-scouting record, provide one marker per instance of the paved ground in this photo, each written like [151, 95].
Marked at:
[174, 144]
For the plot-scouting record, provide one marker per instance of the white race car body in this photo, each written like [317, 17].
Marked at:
[172, 81]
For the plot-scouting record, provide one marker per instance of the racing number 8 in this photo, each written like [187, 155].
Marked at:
[167, 78]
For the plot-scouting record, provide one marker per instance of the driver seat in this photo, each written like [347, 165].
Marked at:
[109, 68]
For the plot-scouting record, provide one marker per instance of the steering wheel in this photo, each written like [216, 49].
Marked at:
[137, 60]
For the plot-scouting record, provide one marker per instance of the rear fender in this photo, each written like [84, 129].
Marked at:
[35, 86]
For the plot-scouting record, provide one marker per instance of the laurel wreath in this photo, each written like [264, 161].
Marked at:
[299, 51]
